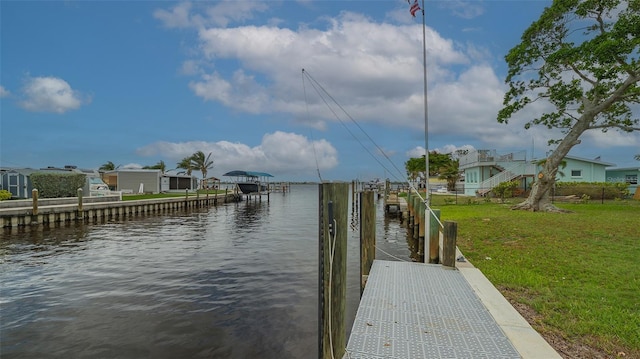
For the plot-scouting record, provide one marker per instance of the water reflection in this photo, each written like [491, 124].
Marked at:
[233, 281]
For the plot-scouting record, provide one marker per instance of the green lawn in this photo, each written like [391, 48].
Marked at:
[579, 271]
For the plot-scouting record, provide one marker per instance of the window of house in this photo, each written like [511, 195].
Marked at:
[631, 179]
[576, 173]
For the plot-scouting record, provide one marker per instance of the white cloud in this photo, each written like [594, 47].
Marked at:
[178, 17]
[241, 92]
[376, 77]
[200, 14]
[4, 92]
[464, 9]
[279, 152]
[49, 94]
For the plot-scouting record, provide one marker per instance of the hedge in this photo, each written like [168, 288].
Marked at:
[595, 190]
[4, 195]
[55, 185]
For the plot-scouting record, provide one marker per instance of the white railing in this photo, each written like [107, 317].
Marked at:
[508, 174]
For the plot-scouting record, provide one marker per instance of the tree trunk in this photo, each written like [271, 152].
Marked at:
[540, 197]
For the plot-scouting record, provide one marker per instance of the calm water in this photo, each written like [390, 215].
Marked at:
[233, 281]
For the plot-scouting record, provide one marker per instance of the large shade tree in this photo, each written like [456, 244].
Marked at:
[582, 57]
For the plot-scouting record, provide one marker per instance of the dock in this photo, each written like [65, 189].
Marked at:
[415, 310]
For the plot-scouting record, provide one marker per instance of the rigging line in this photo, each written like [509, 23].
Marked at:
[313, 83]
[313, 145]
[342, 122]
[424, 199]
[358, 125]
[390, 255]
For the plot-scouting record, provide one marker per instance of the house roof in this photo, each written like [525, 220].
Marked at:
[623, 169]
[596, 160]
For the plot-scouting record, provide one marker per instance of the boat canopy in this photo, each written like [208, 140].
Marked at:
[237, 173]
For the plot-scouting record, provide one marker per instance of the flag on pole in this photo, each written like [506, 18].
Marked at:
[414, 7]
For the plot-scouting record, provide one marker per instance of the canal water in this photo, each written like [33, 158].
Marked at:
[235, 281]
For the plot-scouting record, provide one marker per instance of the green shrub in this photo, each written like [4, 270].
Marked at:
[594, 190]
[4, 195]
[505, 189]
[55, 185]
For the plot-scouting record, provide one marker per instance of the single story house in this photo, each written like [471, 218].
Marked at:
[139, 180]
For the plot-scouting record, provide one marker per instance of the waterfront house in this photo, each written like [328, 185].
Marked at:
[485, 169]
[139, 180]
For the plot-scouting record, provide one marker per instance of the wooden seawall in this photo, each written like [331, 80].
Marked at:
[74, 210]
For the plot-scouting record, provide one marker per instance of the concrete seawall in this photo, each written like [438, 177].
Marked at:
[69, 210]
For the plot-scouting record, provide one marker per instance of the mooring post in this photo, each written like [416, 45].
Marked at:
[367, 236]
[449, 244]
[333, 199]
[34, 195]
[434, 237]
[80, 211]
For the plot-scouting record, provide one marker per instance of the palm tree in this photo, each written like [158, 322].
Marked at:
[186, 165]
[158, 166]
[202, 163]
[109, 166]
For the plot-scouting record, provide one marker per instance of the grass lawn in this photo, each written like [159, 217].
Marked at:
[579, 271]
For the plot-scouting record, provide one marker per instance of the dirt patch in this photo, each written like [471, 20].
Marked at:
[568, 349]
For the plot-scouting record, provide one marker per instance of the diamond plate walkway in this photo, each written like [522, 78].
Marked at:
[413, 310]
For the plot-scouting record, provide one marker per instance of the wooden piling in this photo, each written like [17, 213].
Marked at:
[34, 195]
[449, 244]
[333, 200]
[80, 210]
[367, 235]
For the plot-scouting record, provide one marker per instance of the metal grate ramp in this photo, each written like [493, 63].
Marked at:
[413, 310]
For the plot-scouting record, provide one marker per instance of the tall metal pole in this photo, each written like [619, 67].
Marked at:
[427, 212]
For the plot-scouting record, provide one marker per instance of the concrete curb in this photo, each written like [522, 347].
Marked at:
[529, 343]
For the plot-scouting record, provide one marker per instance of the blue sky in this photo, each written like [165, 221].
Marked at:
[136, 82]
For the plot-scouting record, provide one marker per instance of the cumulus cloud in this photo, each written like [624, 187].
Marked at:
[279, 152]
[49, 94]
[377, 77]
[195, 15]
[4, 92]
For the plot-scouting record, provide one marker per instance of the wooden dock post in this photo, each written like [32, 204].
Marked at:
[333, 200]
[34, 195]
[80, 210]
[367, 236]
[434, 237]
[449, 244]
